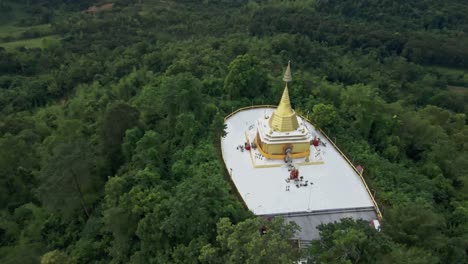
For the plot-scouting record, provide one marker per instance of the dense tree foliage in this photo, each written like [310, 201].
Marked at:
[109, 138]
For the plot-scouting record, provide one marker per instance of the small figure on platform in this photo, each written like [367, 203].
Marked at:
[315, 142]
[322, 143]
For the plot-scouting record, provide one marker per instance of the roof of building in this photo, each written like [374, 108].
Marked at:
[309, 222]
[333, 185]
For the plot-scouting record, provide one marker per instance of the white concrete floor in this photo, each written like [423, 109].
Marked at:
[332, 185]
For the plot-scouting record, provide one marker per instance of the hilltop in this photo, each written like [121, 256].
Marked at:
[110, 126]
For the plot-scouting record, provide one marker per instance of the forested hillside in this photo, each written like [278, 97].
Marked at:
[110, 124]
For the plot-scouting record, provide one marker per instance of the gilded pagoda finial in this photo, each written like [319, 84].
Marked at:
[284, 118]
[287, 74]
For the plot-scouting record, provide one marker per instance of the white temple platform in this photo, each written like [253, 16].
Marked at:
[334, 190]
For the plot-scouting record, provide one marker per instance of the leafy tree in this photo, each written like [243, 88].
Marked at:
[323, 114]
[218, 127]
[132, 136]
[187, 128]
[183, 223]
[349, 242]
[149, 152]
[56, 257]
[179, 94]
[245, 78]
[244, 242]
[412, 255]
[69, 178]
[29, 220]
[118, 118]
[416, 224]
[16, 176]
[361, 104]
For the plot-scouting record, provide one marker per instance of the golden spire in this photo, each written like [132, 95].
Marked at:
[287, 74]
[284, 118]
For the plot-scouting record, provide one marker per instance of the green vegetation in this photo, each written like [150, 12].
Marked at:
[41, 42]
[18, 27]
[17, 32]
[109, 133]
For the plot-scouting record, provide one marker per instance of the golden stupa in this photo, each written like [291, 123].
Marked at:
[284, 133]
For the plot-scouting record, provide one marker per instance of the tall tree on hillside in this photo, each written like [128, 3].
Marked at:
[16, 178]
[118, 118]
[69, 178]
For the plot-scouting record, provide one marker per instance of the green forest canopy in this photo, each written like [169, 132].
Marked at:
[109, 129]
